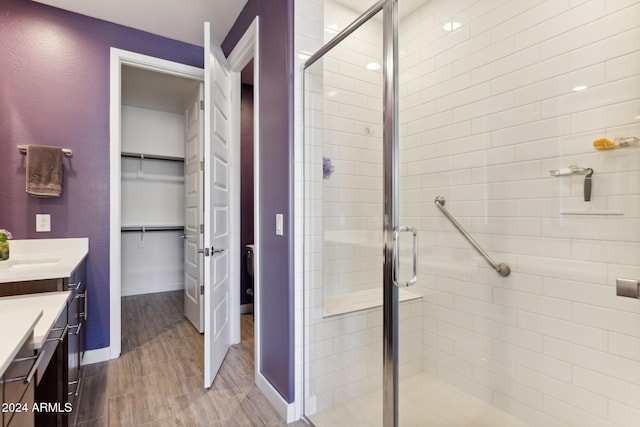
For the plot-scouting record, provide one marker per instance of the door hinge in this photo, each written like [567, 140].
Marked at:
[202, 105]
[201, 289]
[201, 165]
[201, 228]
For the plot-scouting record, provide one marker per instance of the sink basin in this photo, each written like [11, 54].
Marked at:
[42, 259]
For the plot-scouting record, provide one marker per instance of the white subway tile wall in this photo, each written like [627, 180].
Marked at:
[552, 343]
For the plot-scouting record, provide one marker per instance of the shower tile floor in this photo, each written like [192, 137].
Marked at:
[425, 401]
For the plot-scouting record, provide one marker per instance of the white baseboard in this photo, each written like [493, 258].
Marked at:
[246, 308]
[163, 287]
[96, 356]
[284, 409]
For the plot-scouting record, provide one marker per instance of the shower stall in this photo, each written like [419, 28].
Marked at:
[472, 214]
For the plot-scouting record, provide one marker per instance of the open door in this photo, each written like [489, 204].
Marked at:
[217, 135]
[193, 232]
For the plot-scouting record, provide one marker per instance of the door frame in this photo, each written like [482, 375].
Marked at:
[119, 58]
[246, 49]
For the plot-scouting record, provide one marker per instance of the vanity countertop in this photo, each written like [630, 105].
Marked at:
[15, 330]
[38, 259]
[48, 304]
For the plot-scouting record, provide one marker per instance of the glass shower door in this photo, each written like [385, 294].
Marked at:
[350, 212]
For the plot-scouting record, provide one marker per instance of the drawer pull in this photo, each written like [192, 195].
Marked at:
[62, 336]
[75, 286]
[27, 378]
[34, 368]
[78, 327]
[77, 384]
[24, 359]
[18, 360]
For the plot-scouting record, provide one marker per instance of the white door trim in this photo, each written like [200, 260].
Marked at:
[246, 49]
[118, 58]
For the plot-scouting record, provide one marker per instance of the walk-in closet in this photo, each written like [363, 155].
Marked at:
[154, 119]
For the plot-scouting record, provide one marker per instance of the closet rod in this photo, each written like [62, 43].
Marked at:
[151, 157]
[152, 228]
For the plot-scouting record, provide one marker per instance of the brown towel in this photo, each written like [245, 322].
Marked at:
[44, 171]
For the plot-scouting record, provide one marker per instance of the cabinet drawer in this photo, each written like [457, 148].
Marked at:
[56, 336]
[18, 387]
[24, 418]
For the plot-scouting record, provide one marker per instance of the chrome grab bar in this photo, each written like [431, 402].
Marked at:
[396, 258]
[502, 268]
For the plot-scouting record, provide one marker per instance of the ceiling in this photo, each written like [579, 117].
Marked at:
[175, 19]
[405, 7]
[170, 18]
[157, 91]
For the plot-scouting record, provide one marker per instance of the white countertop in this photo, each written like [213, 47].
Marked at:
[50, 304]
[15, 330]
[37, 259]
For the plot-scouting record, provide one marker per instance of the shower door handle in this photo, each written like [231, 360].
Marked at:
[396, 257]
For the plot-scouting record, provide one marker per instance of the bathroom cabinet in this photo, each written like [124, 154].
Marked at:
[76, 343]
[58, 379]
[51, 375]
[34, 382]
[18, 397]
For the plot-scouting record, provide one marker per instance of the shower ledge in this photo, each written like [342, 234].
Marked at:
[360, 300]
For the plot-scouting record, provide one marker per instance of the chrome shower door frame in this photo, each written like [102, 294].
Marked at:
[391, 178]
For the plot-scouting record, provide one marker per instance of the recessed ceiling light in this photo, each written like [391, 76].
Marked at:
[373, 66]
[579, 88]
[451, 26]
[331, 29]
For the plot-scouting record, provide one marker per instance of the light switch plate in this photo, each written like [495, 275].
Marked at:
[43, 223]
[279, 224]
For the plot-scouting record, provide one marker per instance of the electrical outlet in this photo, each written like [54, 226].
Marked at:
[43, 223]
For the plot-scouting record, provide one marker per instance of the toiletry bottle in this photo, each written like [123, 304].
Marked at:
[4, 247]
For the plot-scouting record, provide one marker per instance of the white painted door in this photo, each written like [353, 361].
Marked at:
[193, 235]
[217, 135]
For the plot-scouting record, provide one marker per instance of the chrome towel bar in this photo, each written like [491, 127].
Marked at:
[66, 151]
[502, 268]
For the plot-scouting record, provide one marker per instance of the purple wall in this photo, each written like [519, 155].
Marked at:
[276, 185]
[54, 90]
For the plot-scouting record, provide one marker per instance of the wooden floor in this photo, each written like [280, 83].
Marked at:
[158, 380]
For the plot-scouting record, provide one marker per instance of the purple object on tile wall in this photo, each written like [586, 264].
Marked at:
[276, 185]
[54, 90]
